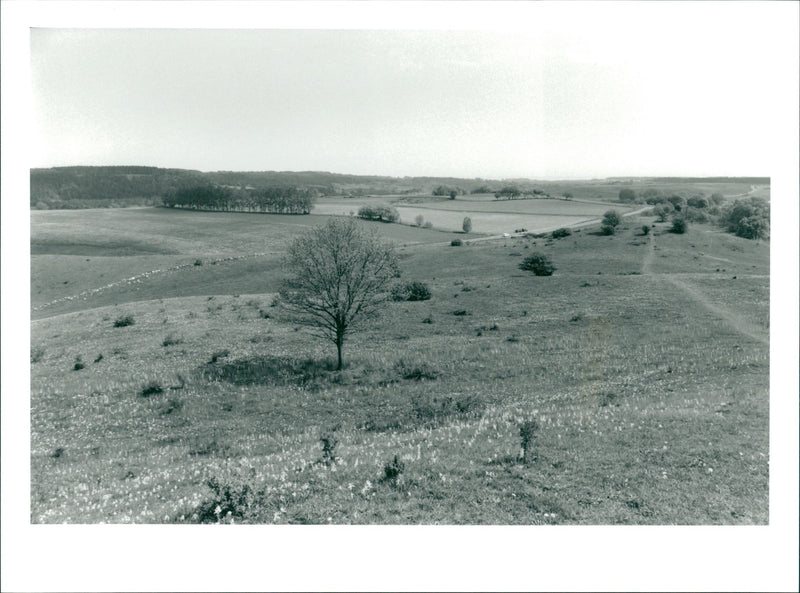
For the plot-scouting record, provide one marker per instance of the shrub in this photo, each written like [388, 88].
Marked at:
[527, 433]
[329, 443]
[235, 499]
[607, 229]
[427, 225]
[539, 264]
[419, 219]
[627, 195]
[124, 321]
[219, 354]
[717, 198]
[561, 233]
[171, 340]
[419, 371]
[611, 219]
[37, 354]
[198, 262]
[411, 291]
[692, 214]
[645, 229]
[697, 202]
[662, 211]
[78, 364]
[679, 225]
[99, 358]
[466, 225]
[392, 471]
[456, 243]
[151, 388]
[748, 218]
[381, 213]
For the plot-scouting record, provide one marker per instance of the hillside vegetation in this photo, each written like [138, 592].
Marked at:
[167, 385]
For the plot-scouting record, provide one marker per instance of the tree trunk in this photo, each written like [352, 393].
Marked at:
[339, 343]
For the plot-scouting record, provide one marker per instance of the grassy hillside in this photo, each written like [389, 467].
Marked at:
[643, 360]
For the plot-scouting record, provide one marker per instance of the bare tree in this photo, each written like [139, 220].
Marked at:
[339, 276]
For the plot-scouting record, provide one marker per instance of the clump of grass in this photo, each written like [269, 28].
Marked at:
[576, 317]
[99, 358]
[172, 405]
[428, 319]
[411, 291]
[233, 499]
[456, 243]
[171, 340]
[393, 471]
[527, 433]
[57, 453]
[124, 321]
[416, 371]
[219, 354]
[37, 354]
[329, 443]
[78, 364]
[263, 314]
[198, 262]
[151, 388]
[560, 233]
[460, 312]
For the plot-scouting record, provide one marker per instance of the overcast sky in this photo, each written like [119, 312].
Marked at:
[670, 89]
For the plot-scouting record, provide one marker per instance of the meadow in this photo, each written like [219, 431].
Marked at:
[643, 361]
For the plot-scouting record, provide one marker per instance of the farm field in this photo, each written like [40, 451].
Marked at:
[488, 215]
[643, 359]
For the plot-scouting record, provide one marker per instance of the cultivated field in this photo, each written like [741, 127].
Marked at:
[488, 215]
[643, 359]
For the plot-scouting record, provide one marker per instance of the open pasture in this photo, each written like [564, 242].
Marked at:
[651, 406]
[90, 258]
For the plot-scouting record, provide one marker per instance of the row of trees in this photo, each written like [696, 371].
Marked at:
[275, 200]
[379, 213]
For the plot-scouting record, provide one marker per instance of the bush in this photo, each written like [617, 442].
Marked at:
[198, 262]
[527, 433]
[419, 219]
[124, 321]
[748, 218]
[627, 195]
[717, 198]
[427, 225]
[329, 443]
[539, 264]
[466, 225]
[607, 229]
[411, 291]
[420, 371]
[78, 364]
[662, 211]
[561, 233]
[645, 229]
[171, 340]
[692, 214]
[381, 213]
[456, 243]
[37, 354]
[233, 500]
[611, 218]
[679, 225]
[392, 471]
[152, 388]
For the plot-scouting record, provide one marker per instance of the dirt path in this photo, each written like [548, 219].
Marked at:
[730, 317]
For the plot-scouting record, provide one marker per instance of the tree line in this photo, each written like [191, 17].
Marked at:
[273, 200]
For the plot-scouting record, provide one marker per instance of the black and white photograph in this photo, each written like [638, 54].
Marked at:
[512, 284]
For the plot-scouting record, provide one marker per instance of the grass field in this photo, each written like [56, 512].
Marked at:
[643, 360]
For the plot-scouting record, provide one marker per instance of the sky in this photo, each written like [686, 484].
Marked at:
[670, 89]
